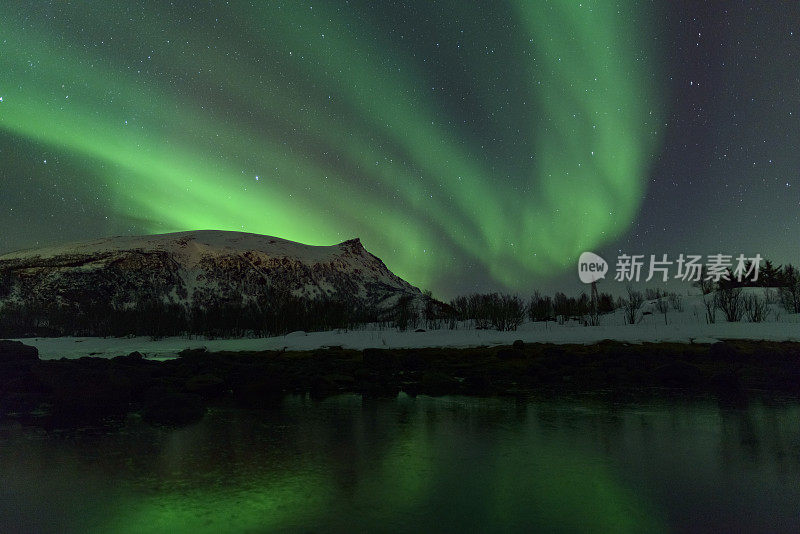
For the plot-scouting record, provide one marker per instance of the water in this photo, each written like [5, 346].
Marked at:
[416, 465]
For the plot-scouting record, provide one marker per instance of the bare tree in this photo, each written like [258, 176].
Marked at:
[771, 296]
[704, 284]
[503, 312]
[653, 293]
[676, 301]
[430, 312]
[479, 310]
[710, 305]
[506, 311]
[631, 305]
[561, 307]
[662, 305]
[755, 308]
[730, 301]
[790, 289]
[540, 307]
[405, 314]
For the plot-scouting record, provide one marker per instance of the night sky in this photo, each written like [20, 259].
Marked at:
[471, 146]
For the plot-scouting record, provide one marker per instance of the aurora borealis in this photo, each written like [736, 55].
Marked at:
[468, 145]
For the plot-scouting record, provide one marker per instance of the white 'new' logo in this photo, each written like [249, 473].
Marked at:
[591, 267]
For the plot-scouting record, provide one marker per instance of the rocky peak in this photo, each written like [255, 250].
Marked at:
[352, 245]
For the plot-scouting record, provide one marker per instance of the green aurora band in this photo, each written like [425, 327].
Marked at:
[343, 130]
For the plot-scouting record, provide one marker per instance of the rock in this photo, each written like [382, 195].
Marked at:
[372, 357]
[20, 394]
[322, 386]
[206, 385]
[376, 383]
[518, 344]
[479, 384]
[678, 375]
[553, 352]
[132, 358]
[510, 354]
[536, 371]
[193, 353]
[438, 383]
[722, 351]
[379, 359]
[259, 392]
[362, 374]
[171, 408]
[419, 330]
[727, 386]
[410, 388]
[81, 395]
[16, 352]
[414, 361]
[340, 379]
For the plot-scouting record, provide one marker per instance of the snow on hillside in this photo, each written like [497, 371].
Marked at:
[685, 321]
[687, 326]
[213, 264]
[693, 309]
[192, 246]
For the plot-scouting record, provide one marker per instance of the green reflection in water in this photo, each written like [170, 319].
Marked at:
[405, 465]
[567, 491]
[257, 506]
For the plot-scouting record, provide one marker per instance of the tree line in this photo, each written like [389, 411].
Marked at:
[276, 313]
[501, 311]
[158, 318]
[781, 283]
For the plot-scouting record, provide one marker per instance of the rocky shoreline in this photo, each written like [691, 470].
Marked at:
[94, 391]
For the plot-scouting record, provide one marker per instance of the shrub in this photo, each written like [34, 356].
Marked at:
[730, 301]
[632, 304]
[755, 308]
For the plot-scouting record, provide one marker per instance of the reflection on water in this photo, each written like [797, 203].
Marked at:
[416, 465]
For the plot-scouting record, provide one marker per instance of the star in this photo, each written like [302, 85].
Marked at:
[449, 130]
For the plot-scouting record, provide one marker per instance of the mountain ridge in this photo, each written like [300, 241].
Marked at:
[201, 270]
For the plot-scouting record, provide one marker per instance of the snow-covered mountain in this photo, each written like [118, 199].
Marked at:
[199, 267]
